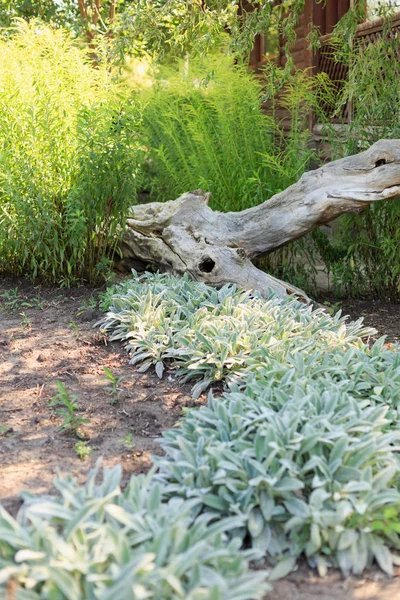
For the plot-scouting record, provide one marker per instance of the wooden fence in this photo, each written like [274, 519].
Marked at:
[367, 33]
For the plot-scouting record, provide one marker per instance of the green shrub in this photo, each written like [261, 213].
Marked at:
[362, 258]
[95, 541]
[68, 157]
[369, 242]
[204, 128]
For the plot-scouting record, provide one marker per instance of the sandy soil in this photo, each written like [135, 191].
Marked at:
[47, 335]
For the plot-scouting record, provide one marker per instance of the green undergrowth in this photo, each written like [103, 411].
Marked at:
[299, 457]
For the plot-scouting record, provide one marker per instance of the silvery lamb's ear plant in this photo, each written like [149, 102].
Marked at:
[149, 311]
[312, 470]
[304, 447]
[212, 335]
[96, 542]
[300, 457]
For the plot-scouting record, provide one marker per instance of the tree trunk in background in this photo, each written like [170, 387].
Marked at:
[89, 11]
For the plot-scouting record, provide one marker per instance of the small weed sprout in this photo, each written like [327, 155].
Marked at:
[90, 304]
[5, 429]
[25, 322]
[127, 442]
[68, 407]
[74, 327]
[82, 450]
[332, 307]
[114, 382]
[10, 299]
[32, 303]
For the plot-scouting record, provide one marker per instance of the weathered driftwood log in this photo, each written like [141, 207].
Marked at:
[186, 235]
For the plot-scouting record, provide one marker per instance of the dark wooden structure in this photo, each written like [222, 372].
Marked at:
[367, 33]
[325, 16]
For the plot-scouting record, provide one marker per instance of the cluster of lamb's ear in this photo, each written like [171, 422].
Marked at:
[96, 542]
[213, 335]
[304, 444]
[312, 469]
[298, 457]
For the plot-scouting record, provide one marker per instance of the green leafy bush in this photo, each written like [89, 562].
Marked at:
[95, 541]
[68, 157]
[178, 28]
[204, 128]
[369, 242]
[362, 256]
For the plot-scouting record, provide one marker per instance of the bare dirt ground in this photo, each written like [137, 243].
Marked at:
[384, 316]
[47, 335]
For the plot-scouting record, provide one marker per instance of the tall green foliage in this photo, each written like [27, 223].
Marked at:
[362, 257]
[204, 127]
[68, 157]
[370, 242]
